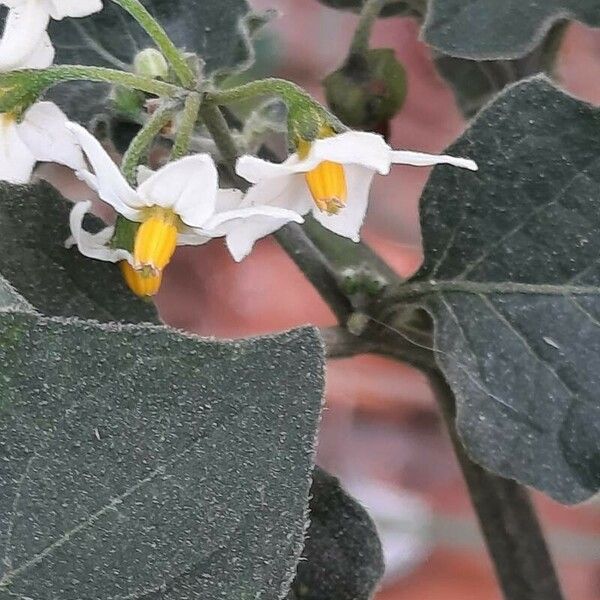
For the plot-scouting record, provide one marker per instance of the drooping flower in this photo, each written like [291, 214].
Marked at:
[38, 135]
[25, 27]
[180, 204]
[331, 177]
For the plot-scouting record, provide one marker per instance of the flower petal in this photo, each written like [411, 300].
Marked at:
[109, 183]
[244, 226]
[289, 192]
[349, 220]
[255, 169]
[43, 131]
[419, 159]
[42, 55]
[16, 160]
[93, 245]
[188, 186]
[354, 147]
[228, 199]
[74, 8]
[193, 237]
[24, 28]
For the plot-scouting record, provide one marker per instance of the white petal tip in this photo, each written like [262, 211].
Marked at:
[470, 164]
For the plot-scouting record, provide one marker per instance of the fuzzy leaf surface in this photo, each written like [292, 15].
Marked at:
[139, 462]
[499, 29]
[512, 279]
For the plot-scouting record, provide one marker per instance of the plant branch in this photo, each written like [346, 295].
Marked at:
[137, 10]
[315, 266]
[298, 100]
[186, 126]
[270, 86]
[507, 518]
[142, 141]
[26, 85]
[219, 130]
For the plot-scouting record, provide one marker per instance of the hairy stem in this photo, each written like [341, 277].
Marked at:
[296, 98]
[219, 130]
[507, 518]
[137, 10]
[261, 87]
[185, 128]
[142, 141]
[26, 85]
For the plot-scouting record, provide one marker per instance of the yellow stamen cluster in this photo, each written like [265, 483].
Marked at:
[141, 283]
[154, 245]
[156, 240]
[327, 181]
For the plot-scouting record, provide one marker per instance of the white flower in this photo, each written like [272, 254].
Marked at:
[25, 28]
[40, 135]
[331, 177]
[180, 204]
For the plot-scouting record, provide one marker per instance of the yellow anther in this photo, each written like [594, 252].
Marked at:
[144, 283]
[156, 240]
[327, 181]
[327, 185]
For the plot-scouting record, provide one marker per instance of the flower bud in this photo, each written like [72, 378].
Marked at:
[368, 90]
[151, 63]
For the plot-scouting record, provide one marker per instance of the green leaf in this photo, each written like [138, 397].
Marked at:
[137, 461]
[213, 29]
[10, 299]
[392, 9]
[511, 278]
[475, 83]
[499, 29]
[342, 557]
[34, 224]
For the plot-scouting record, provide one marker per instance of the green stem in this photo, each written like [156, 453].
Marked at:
[293, 95]
[137, 10]
[507, 518]
[316, 268]
[186, 126]
[271, 86]
[103, 74]
[219, 130]
[142, 141]
[26, 85]
[362, 35]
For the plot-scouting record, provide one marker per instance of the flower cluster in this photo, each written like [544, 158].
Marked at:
[39, 134]
[181, 204]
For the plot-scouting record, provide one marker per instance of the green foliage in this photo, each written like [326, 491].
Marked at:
[512, 281]
[139, 461]
[499, 29]
[476, 82]
[34, 224]
[342, 557]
